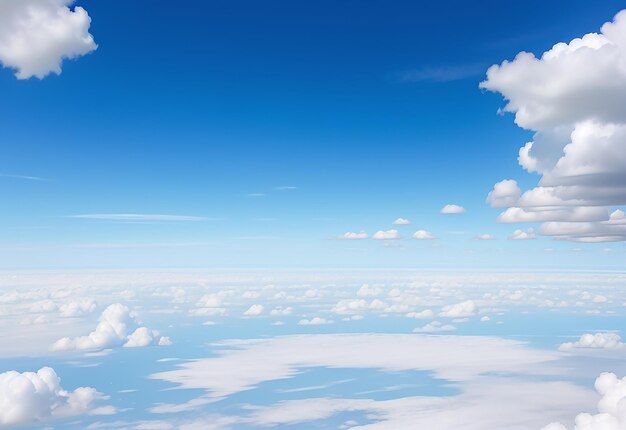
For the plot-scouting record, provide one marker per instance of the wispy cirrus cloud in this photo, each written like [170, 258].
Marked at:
[141, 217]
[25, 177]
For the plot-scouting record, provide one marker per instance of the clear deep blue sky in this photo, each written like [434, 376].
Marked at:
[371, 109]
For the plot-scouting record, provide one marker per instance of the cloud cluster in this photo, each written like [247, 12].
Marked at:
[572, 97]
[27, 398]
[595, 341]
[611, 407]
[117, 326]
[37, 35]
[464, 309]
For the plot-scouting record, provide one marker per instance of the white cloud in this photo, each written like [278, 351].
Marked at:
[77, 308]
[227, 374]
[254, 310]
[425, 314]
[29, 398]
[315, 321]
[549, 213]
[113, 329]
[505, 193]
[595, 341]
[350, 306]
[387, 235]
[423, 235]
[467, 308]
[572, 98]
[367, 291]
[523, 235]
[402, 221]
[485, 236]
[611, 407]
[434, 327]
[37, 35]
[498, 401]
[452, 210]
[280, 311]
[353, 235]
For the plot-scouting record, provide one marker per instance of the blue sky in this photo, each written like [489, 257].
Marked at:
[344, 116]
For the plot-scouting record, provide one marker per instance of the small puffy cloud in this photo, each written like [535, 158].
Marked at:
[595, 341]
[485, 236]
[423, 235]
[523, 235]
[77, 308]
[387, 235]
[464, 309]
[353, 235]
[611, 407]
[210, 301]
[505, 193]
[315, 321]
[140, 337]
[117, 326]
[434, 327]
[29, 398]
[452, 210]
[254, 310]
[402, 221]
[37, 35]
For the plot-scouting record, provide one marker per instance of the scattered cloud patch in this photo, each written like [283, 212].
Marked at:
[117, 326]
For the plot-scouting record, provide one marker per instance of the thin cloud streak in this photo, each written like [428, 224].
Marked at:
[141, 217]
[25, 177]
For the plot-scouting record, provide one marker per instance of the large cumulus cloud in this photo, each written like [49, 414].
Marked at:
[572, 98]
[611, 407]
[37, 35]
[27, 398]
